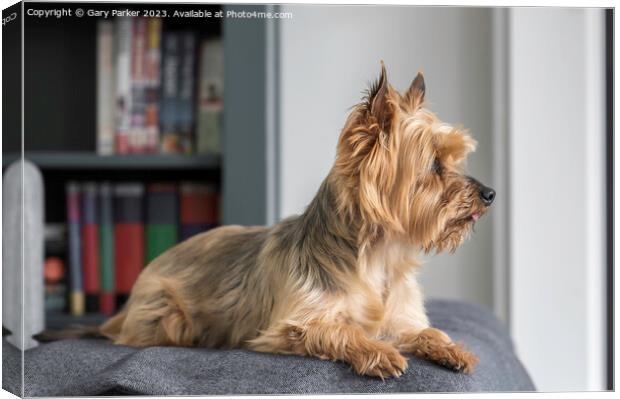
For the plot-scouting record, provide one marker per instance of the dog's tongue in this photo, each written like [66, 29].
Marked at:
[475, 216]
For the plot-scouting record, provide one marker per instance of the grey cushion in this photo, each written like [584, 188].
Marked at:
[95, 367]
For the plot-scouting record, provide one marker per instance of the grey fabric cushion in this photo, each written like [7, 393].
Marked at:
[95, 367]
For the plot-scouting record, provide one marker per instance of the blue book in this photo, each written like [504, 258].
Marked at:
[76, 302]
[186, 92]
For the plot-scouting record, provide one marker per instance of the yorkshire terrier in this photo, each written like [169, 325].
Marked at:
[339, 281]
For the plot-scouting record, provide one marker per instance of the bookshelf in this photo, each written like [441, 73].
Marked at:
[88, 160]
[59, 320]
[60, 121]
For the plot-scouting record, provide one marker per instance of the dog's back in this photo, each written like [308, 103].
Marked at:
[191, 294]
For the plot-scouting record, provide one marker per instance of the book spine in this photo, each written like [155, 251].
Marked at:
[128, 237]
[137, 133]
[169, 94]
[55, 267]
[210, 97]
[76, 302]
[55, 287]
[106, 246]
[186, 93]
[123, 84]
[199, 208]
[105, 85]
[90, 247]
[153, 67]
[161, 219]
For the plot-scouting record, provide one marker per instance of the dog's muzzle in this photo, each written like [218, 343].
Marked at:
[487, 194]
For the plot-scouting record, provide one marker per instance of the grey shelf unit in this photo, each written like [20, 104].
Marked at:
[249, 141]
[59, 320]
[88, 160]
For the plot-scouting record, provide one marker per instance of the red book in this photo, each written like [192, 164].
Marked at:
[199, 208]
[128, 237]
[129, 251]
[90, 247]
[199, 203]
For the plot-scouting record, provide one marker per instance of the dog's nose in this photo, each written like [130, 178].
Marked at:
[487, 194]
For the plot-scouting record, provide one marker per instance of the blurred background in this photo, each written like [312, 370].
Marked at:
[149, 130]
[533, 86]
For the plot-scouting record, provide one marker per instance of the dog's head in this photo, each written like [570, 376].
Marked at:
[401, 170]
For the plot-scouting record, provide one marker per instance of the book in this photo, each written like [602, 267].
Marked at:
[55, 267]
[137, 132]
[210, 97]
[186, 93]
[105, 88]
[106, 249]
[162, 211]
[170, 139]
[198, 208]
[152, 77]
[122, 51]
[90, 246]
[54, 273]
[56, 240]
[128, 237]
[76, 299]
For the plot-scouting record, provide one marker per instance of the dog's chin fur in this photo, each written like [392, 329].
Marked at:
[339, 281]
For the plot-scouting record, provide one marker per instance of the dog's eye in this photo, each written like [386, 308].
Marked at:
[436, 166]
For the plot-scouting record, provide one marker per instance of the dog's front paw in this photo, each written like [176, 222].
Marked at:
[436, 346]
[379, 360]
[459, 359]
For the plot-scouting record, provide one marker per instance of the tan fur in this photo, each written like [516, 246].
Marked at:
[339, 281]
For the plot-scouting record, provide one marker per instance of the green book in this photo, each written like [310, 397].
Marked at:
[159, 238]
[106, 249]
[161, 219]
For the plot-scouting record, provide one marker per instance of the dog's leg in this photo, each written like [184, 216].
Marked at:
[435, 345]
[334, 341]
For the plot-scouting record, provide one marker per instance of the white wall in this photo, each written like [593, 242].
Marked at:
[557, 198]
[328, 55]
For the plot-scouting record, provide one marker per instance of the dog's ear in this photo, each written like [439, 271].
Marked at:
[415, 95]
[367, 157]
[378, 104]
